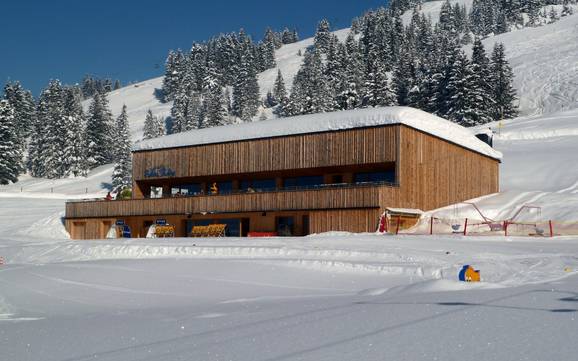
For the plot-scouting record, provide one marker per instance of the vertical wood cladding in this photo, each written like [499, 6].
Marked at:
[435, 173]
[347, 147]
[350, 220]
[431, 173]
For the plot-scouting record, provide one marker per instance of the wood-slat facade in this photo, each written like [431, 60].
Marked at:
[429, 173]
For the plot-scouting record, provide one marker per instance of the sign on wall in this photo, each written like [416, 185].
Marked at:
[159, 172]
[161, 222]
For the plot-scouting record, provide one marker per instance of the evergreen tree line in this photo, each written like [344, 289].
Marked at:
[216, 82]
[90, 85]
[499, 16]
[59, 138]
[386, 63]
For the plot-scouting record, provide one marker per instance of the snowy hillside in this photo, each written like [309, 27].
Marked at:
[543, 60]
[433, 8]
[545, 64]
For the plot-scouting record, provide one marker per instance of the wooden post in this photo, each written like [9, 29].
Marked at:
[431, 222]
[398, 222]
[551, 228]
[465, 227]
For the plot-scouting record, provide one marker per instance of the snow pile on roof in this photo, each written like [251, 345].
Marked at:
[324, 122]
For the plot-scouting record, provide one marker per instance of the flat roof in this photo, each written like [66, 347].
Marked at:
[324, 122]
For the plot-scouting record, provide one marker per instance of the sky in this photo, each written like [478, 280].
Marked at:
[129, 40]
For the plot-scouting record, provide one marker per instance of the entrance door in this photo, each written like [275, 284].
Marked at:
[245, 227]
[306, 225]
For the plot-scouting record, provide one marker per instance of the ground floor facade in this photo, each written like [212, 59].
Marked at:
[275, 223]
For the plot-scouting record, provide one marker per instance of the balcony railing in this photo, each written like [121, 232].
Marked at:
[258, 190]
[331, 196]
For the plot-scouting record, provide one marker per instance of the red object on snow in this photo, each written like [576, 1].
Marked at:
[262, 234]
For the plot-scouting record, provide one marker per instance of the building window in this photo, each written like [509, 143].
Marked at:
[285, 226]
[186, 189]
[225, 187]
[301, 182]
[337, 179]
[156, 192]
[258, 185]
[374, 177]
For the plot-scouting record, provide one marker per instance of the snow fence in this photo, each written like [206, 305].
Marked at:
[480, 227]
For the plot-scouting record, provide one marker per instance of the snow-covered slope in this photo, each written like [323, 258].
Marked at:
[545, 64]
[433, 9]
[138, 98]
[288, 61]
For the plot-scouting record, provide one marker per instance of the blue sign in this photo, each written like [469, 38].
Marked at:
[126, 232]
[161, 222]
[159, 172]
[120, 222]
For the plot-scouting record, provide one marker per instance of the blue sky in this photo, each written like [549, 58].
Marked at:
[66, 39]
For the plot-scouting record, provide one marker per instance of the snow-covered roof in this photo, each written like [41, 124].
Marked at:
[323, 122]
[404, 210]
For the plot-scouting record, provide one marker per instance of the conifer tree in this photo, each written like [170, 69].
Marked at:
[460, 101]
[183, 113]
[10, 151]
[480, 88]
[52, 152]
[350, 88]
[98, 136]
[310, 93]
[246, 97]
[502, 77]
[279, 90]
[174, 69]
[289, 37]
[215, 112]
[322, 35]
[153, 126]
[24, 108]
[74, 154]
[121, 175]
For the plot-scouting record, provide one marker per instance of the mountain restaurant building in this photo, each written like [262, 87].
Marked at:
[296, 176]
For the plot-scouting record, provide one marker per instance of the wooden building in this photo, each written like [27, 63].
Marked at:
[296, 176]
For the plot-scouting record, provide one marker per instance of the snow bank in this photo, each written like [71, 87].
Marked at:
[315, 123]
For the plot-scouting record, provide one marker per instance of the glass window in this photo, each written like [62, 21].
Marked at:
[225, 187]
[258, 185]
[337, 179]
[156, 192]
[285, 226]
[308, 181]
[372, 177]
[190, 189]
[233, 227]
[221, 187]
